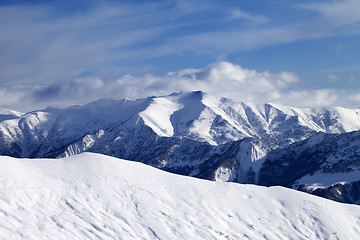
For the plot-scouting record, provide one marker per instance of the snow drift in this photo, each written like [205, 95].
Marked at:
[92, 196]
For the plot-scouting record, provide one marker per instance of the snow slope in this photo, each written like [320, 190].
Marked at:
[92, 196]
[6, 114]
[320, 161]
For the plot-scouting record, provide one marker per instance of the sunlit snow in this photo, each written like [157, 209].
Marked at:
[91, 196]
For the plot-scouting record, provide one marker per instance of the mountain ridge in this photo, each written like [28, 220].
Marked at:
[190, 133]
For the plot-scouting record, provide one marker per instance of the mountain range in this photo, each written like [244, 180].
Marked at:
[204, 136]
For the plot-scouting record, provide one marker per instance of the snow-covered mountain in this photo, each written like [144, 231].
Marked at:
[92, 196]
[190, 133]
[325, 164]
[6, 114]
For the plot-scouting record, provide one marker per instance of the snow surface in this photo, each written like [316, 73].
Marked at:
[91, 196]
[9, 112]
[157, 116]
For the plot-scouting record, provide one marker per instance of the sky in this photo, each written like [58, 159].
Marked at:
[61, 53]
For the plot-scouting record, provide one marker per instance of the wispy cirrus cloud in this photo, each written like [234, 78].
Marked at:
[332, 18]
[335, 14]
[238, 13]
[335, 78]
[39, 44]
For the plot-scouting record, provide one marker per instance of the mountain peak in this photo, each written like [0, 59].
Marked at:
[104, 100]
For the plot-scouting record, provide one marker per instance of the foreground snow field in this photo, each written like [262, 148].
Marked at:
[92, 196]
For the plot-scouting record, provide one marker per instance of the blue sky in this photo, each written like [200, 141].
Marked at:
[302, 53]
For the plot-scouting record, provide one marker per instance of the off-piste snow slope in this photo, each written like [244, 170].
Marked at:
[92, 196]
[200, 135]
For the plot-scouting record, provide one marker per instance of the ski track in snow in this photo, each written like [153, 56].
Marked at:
[91, 196]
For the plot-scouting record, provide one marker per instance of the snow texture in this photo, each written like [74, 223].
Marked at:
[92, 196]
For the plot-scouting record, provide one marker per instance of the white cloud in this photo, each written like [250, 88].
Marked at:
[355, 98]
[238, 13]
[12, 96]
[335, 78]
[332, 78]
[221, 78]
[336, 13]
[312, 98]
[340, 47]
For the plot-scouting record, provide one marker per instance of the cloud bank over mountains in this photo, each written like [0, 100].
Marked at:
[220, 78]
